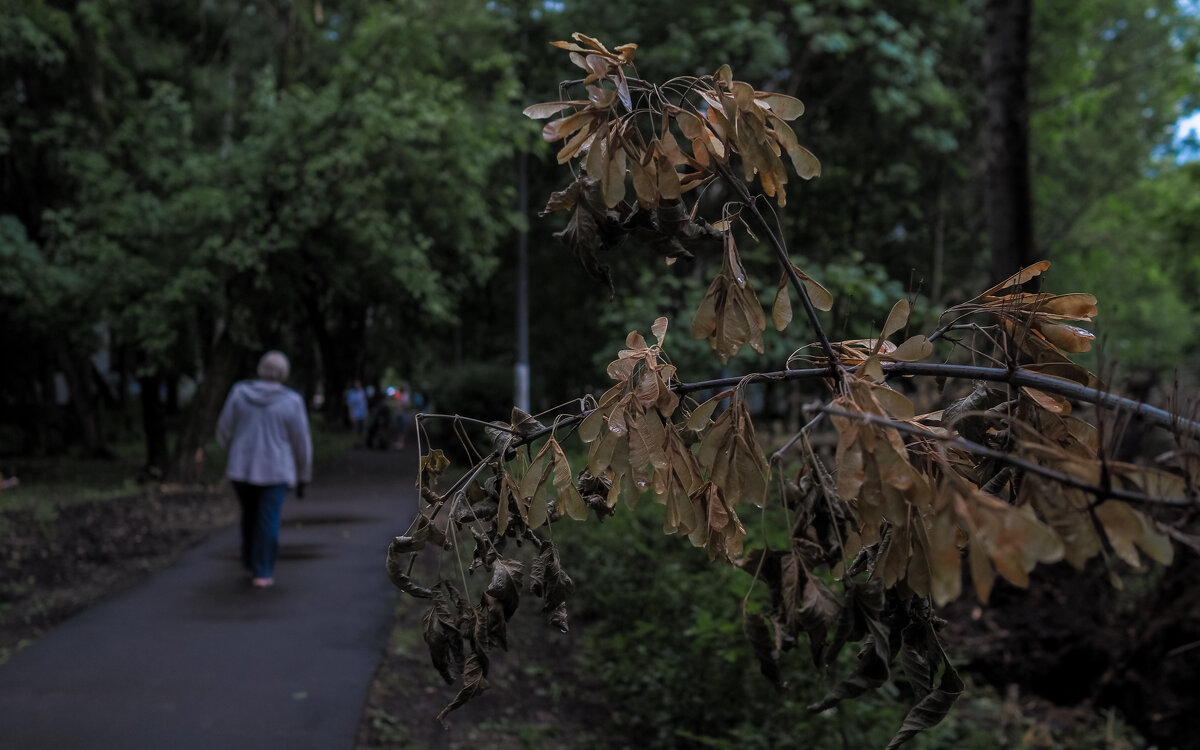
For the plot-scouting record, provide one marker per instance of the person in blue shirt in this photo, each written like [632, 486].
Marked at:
[264, 426]
[356, 405]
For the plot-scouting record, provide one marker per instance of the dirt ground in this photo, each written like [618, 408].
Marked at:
[539, 694]
[58, 563]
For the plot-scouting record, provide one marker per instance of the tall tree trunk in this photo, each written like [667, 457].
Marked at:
[154, 426]
[172, 382]
[82, 402]
[338, 355]
[1008, 190]
[220, 370]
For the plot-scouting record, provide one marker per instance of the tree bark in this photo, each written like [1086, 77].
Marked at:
[1007, 188]
[82, 402]
[340, 355]
[154, 426]
[220, 370]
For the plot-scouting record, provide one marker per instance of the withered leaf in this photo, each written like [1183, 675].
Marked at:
[913, 349]
[786, 107]
[1019, 278]
[817, 294]
[534, 489]
[505, 586]
[933, 707]
[561, 128]
[548, 109]
[442, 634]
[758, 635]
[872, 671]
[613, 179]
[564, 483]
[897, 319]
[548, 580]
[1128, 530]
[474, 682]
[397, 570]
[1013, 538]
[781, 311]
[645, 182]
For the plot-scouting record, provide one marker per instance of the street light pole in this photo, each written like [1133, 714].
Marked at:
[521, 369]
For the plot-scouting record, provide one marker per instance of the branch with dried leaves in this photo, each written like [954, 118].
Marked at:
[996, 482]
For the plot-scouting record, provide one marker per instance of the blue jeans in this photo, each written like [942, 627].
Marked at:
[261, 508]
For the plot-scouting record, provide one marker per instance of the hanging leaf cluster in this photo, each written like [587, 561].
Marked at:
[663, 141]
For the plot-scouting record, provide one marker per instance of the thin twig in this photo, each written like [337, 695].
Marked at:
[460, 418]
[999, 455]
[778, 455]
[463, 482]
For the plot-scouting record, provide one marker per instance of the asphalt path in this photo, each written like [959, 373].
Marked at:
[195, 658]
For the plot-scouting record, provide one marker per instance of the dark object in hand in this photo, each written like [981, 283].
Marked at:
[300, 490]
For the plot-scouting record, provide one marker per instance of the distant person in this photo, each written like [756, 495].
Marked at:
[403, 402]
[264, 427]
[356, 405]
[380, 429]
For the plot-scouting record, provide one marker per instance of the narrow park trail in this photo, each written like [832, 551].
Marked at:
[195, 658]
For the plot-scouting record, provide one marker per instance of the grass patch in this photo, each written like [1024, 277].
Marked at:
[50, 483]
[54, 482]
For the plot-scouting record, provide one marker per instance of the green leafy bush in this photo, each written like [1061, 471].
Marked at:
[662, 640]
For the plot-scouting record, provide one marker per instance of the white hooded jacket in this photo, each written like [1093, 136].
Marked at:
[264, 427]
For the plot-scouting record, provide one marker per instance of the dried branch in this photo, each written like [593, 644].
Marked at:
[1008, 458]
[1016, 377]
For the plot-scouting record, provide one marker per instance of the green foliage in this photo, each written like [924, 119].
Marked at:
[238, 176]
[661, 632]
[1124, 249]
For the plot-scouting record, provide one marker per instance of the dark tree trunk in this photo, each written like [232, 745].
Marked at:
[172, 403]
[220, 370]
[82, 402]
[1008, 191]
[154, 426]
[340, 355]
[52, 422]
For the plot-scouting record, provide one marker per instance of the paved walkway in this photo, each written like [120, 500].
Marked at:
[194, 658]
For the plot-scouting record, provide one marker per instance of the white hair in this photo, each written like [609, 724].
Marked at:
[273, 366]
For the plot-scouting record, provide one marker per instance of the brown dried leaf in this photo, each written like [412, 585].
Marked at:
[1127, 530]
[558, 129]
[897, 319]
[723, 77]
[1068, 338]
[645, 182]
[549, 109]
[817, 294]
[1051, 402]
[601, 98]
[784, 106]
[576, 143]
[564, 482]
[596, 161]
[913, 349]
[1019, 278]
[781, 311]
[659, 329]
[613, 180]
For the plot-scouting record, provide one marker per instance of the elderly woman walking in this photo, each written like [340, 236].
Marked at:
[264, 427]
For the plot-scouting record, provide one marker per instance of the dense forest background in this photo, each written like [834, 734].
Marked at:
[184, 185]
